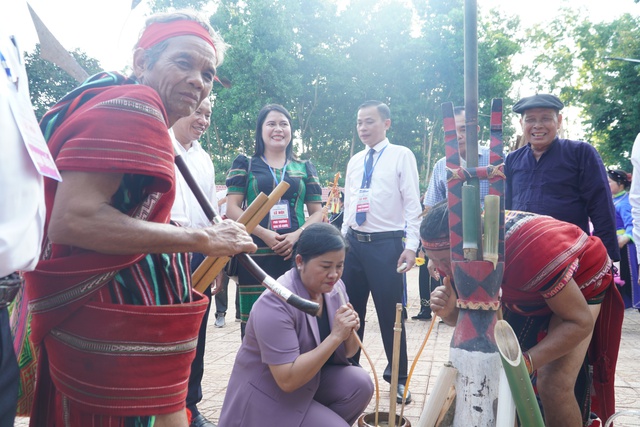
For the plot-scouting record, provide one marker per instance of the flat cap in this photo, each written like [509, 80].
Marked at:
[539, 100]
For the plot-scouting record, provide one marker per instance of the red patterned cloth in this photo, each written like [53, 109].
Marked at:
[562, 251]
[542, 255]
[102, 360]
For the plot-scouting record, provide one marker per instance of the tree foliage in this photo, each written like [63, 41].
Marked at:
[323, 58]
[578, 55]
[48, 82]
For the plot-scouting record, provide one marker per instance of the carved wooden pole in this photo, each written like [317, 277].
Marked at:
[473, 348]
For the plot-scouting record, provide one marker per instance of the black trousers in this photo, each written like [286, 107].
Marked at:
[194, 391]
[426, 285]
[9, 374]
[370, 268]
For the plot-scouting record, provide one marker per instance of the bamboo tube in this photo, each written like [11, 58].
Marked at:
[252, 217]
[470, 217]
[430, 412]
[506, 416]
[517, 375]
[448, 401]
[491, 228]
[395, 364]
[343, 301]
[198, 276]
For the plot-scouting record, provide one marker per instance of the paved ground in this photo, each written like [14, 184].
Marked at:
[223, 344]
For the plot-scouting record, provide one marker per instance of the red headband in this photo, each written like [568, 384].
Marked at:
[161, 31]
[437, 244]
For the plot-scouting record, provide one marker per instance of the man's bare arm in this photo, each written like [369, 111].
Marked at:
[82, 216]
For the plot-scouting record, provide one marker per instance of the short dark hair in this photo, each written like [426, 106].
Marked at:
[619, 176]
[262, 116]
[383, 109]
[435, 224]
[318, 239]
[458, 110]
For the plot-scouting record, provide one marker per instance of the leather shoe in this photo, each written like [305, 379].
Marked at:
[401, 392]
[422, 315]
[201, 421]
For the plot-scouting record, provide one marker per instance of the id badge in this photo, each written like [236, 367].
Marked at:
[32, 136]
[279, 216]
[362, 204]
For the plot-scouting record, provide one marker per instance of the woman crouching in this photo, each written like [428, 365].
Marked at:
[293, 367]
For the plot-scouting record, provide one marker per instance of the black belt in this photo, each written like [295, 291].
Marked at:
[370, 237]
[9, 286]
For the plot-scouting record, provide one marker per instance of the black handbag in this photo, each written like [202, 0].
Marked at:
[231, 269]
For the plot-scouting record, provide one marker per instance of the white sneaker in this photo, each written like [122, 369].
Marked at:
[219, 322]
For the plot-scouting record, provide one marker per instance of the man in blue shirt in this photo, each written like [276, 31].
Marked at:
[559, 177]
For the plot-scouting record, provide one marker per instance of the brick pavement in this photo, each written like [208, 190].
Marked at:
[223, 344]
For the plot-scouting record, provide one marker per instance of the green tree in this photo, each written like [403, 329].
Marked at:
[48, 82]
[577, 60]
[321, 61]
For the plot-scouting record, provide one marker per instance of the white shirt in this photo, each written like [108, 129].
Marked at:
[634, 193]
[394, 200]
[22, 207]
[222, 208]
[186, 210]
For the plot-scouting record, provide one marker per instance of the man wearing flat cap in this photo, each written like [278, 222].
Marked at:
[567, 180]
[559, 177]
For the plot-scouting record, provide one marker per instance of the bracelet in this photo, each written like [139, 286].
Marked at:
[528, 362]
[301, 228]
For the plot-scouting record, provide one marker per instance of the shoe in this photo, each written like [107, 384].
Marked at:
[401, 392]
[422, 315]
[219, 322]
[201, 421]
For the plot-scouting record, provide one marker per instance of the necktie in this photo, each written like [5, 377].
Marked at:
[361, 217]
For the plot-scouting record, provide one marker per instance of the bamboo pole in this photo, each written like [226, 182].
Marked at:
[517, 375]
[252, 222]
[395, 364]
[506, 406]
[446, 379]
[208, 262]
[491, 228]
[343, 301]
[448, 401]
[470, 215]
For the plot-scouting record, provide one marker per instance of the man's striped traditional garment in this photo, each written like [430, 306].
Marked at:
[119, 331]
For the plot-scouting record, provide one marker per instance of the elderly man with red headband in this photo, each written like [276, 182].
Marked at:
[112, 306]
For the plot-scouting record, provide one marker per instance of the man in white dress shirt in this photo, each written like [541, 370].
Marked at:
[187, 212]
[382, 200]
[22, 209]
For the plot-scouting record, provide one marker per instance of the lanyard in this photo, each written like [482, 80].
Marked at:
[275, 178]
[369, 174]
[13, 79]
